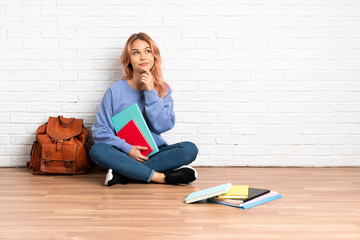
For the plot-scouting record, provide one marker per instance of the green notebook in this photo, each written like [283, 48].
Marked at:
[130, 113]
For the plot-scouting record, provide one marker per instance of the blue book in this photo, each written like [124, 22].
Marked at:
[133, 113]
[208, 193]
[245, 205]
[263, 199]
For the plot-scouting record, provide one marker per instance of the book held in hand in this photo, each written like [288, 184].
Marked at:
[133, 136]
[208, 193]
[133, 113]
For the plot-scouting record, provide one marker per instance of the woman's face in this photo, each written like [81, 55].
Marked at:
[141, 58]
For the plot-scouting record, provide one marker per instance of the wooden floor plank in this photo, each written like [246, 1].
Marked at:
[316, 203]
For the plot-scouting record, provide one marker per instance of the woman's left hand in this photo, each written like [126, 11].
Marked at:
[147, 79]
[136, 154]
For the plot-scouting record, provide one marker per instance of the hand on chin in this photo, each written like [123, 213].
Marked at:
[144, 69]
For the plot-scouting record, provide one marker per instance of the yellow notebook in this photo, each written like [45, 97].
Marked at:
[236, 192]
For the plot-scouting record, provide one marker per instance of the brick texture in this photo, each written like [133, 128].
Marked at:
[255, 83]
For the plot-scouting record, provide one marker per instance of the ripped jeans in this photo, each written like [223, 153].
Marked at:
[169, 157]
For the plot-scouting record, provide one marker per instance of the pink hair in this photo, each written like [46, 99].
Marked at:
[159, 83]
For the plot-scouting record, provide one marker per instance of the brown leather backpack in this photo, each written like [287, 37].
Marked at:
[60, 147]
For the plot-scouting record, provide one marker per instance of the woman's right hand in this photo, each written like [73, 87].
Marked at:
[136, 154]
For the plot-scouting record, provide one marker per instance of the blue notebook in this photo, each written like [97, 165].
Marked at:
[208, 193]
[263, 199]
[133, 113]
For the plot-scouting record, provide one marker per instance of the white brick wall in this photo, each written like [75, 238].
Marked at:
[256, 82]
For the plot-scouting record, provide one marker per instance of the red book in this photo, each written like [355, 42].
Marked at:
[133, 136]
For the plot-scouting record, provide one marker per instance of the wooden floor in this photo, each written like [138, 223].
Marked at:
[316, 203]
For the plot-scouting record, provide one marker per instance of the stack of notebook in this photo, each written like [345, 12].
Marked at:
[131, 126]
[240, 196]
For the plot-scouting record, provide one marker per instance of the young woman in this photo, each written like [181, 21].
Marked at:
[142, 84]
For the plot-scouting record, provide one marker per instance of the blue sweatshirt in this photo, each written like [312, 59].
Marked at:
[158, 113]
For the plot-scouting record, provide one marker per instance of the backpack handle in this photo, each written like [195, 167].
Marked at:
[66, 122]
